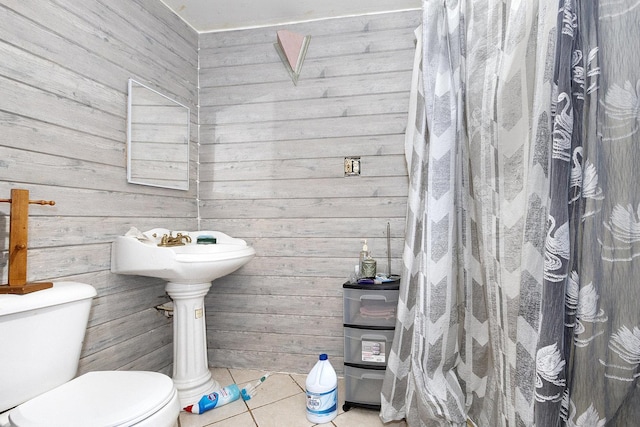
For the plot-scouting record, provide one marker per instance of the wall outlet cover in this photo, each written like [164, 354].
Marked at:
[351, 166]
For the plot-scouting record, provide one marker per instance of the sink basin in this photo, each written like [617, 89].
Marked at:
[191, 263]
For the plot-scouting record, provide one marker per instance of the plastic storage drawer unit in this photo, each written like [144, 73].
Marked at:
[363, 386]
[367, 346]
[369, 323]
[374, 306]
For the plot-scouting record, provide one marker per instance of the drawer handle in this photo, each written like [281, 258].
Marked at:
[373, 297]
[374, 337]
[372, 377]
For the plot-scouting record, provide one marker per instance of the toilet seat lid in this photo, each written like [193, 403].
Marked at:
[109, 398]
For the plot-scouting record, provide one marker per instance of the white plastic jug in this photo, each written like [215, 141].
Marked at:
[322, 392]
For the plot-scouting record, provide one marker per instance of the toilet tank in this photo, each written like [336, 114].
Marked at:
[41, 337]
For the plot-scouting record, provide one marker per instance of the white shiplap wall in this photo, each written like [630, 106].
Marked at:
[271, 168]
[63, 89]
[271, 172]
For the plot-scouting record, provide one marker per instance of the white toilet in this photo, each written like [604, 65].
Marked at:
[42, 334]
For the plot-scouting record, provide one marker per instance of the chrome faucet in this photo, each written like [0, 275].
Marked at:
[177, 240]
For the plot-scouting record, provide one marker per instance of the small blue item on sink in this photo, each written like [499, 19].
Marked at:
[206, 239]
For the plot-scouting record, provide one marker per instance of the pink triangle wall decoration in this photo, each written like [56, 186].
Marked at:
[292, 48]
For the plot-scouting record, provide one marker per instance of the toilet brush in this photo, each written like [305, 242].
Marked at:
[249, 390]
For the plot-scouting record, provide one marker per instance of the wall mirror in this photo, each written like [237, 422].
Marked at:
[157, 139]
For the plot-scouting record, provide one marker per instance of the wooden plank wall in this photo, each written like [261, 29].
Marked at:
[63, 90]
[272, 172]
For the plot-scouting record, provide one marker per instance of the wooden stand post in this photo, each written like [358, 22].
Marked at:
[18, 235]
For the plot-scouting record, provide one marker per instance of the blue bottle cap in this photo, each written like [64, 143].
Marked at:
[323, 356]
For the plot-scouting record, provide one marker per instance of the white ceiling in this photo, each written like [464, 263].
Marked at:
[221, 15]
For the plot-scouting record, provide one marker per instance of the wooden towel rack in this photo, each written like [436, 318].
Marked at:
[18, 234]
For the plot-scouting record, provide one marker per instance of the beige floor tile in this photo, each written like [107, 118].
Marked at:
[276, 387]
[221, 375]
[242, 420]
[300, 379]
[289, 412]
[243, 376]
[214, 415]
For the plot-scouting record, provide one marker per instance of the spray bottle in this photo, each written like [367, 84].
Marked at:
[364, 254]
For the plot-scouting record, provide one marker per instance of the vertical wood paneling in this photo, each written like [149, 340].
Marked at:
[63, 90]
[271, 172]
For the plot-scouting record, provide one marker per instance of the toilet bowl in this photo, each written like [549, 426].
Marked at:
[105, 399]
[42, 335]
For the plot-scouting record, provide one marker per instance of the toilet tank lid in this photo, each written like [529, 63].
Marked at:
[60, 293]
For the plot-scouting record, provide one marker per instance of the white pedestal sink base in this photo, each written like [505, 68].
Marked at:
[189, 270]
[191, 374]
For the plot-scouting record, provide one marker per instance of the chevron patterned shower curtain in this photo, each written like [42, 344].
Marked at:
[520, 293]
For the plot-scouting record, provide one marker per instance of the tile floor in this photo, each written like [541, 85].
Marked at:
[279, 402]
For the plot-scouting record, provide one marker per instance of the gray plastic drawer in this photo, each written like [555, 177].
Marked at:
[363, 385]
[370, 307]
[367, 346]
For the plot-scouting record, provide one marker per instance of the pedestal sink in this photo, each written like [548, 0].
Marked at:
[189, 270]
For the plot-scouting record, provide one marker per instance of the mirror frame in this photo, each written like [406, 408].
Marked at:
[180, 185]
